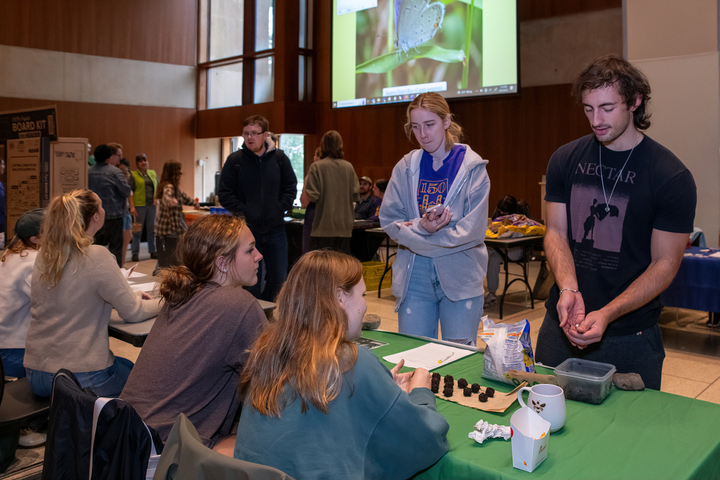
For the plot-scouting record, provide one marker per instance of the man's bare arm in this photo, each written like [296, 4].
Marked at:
[557, 248]
[570, 307]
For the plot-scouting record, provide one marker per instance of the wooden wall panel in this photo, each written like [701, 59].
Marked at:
[161, 133]
[536, 9]
[163, 31]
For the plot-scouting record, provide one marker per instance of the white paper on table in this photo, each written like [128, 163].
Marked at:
[137, 275]
[716, 254]
[429, 356]
[143, 287]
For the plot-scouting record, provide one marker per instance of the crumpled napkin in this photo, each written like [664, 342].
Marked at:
[483, 430]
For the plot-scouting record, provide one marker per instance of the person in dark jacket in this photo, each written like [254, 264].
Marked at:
[259, 183]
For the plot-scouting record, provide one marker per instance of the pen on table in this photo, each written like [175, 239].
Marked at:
[445, 359]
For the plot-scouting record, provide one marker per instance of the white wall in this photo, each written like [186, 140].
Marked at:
[675, 43]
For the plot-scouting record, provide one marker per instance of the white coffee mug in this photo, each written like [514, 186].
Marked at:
[548, 401]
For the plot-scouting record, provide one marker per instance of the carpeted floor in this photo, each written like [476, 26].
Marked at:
[26, 466]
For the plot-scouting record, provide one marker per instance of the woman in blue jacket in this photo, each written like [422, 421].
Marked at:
[442, 259]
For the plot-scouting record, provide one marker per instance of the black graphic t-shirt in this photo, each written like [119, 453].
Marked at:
[609, 233]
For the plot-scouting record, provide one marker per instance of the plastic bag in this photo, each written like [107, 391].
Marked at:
[508, 348]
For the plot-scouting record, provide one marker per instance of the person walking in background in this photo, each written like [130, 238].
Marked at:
[259, 183]
[143, 183]
[170, 224]
[367, 203]
[605, 303]
[128, 218]
[333, 186]
[436, 208]
[16, 266]
[108, 182]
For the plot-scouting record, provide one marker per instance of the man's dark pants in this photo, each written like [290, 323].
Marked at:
[273, 246]
[111, 234]
[639, 352]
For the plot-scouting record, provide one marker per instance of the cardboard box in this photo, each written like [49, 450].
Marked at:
[530, 439]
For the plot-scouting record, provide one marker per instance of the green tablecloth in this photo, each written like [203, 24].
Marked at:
[633, 435]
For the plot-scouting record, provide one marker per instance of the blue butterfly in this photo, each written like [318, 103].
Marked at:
[416, 22]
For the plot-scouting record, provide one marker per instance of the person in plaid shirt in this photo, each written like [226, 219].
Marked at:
[170, 222]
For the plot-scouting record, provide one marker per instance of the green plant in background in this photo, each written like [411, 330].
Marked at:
[294, 148]
[470, 9]
[390, 61]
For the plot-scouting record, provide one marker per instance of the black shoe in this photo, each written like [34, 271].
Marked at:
[153, 255]
[135, 257]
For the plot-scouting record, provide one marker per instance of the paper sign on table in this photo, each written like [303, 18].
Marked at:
[530, 439]
[429, 356]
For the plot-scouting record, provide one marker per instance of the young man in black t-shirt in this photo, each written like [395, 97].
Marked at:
[619, 212]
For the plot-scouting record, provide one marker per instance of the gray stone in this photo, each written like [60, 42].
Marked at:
[628, 381]
[370, 322]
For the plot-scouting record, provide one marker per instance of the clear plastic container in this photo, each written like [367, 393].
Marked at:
[585, 380]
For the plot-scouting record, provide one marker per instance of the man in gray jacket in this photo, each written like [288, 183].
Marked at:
[108, 182]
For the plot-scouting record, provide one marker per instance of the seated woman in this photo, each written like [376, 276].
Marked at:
[378, 192]
[75, 286]
[315, 405]
[507, 205]
[192, 359]
[16, 267]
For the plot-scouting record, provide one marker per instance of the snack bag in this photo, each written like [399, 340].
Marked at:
[508, 348]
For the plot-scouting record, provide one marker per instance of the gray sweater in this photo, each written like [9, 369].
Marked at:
[458, 250]
[192, 359]
[69, 326]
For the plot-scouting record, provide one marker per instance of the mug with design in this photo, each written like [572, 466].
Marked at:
[548, 401]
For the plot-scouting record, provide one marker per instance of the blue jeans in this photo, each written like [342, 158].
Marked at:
[273, 246]
[146, 216]
[12, 359]
[641, 352]
[105, 383]
[425, 303]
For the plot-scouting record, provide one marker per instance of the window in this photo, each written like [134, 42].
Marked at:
[237, 56]
[225, 86]
[294, 148]
[226, 32]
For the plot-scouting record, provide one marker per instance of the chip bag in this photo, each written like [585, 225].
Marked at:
[508, 348]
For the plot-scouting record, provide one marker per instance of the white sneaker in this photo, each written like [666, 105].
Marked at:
[31, 438]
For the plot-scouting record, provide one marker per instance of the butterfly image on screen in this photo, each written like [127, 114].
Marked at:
[416, 22]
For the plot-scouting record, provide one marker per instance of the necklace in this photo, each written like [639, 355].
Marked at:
[607, 200]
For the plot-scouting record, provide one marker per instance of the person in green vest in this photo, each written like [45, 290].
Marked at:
[143, 183]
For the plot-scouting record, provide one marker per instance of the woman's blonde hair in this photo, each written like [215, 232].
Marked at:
[305, 347]
[206, 239]
[63, 232]
[434, 103]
